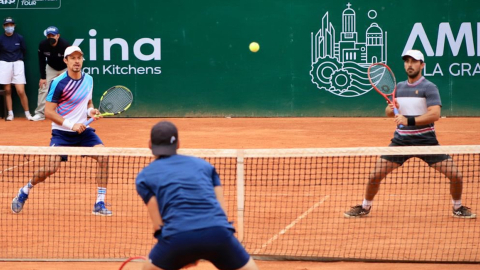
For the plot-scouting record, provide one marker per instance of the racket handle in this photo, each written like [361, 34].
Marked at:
[89, 121]
[395, 111]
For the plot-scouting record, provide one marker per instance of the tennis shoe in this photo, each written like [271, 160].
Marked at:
[100, 210]
[10, 117]
[37, 117]
[357, 211]
[19, 201]
[463, 212]
[28, 116]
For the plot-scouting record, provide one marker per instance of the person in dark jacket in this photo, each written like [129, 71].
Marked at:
[51, 64]
[12, 69]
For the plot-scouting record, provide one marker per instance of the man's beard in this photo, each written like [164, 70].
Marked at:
[413, 75]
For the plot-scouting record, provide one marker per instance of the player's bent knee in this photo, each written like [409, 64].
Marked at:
[102, 161]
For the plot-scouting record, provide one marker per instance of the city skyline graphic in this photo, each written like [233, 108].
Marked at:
[340, 66]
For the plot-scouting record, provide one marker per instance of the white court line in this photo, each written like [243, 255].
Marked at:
[289, 226]
[14, 167]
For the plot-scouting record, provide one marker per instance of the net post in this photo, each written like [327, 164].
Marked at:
[240, 194]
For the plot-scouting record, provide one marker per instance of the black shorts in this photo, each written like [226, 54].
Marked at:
[216, 244]
[429, 159]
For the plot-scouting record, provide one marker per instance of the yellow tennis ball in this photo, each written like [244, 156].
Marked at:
[254, 47]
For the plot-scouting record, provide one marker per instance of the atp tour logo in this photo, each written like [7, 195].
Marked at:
[30, 4]
[340, 66]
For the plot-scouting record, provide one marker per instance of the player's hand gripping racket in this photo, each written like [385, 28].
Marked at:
[114, 101]
[383, 81]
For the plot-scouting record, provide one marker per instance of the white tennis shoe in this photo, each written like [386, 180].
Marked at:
[37, 117]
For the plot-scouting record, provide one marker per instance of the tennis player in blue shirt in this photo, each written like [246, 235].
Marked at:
[184, 199]
[69, 102]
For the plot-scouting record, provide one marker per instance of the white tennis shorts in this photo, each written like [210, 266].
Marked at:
[12, 72]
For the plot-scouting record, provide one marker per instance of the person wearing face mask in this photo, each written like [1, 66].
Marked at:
[51, 64]
[12, 68]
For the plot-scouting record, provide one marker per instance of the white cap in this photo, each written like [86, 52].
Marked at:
[72, 49]
[415, 54]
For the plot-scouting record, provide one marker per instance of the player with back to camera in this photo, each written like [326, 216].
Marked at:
[185, 202]
[69, 102]
[419, 105]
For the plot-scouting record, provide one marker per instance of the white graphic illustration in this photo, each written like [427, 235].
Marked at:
[30, 4]
[340, 67]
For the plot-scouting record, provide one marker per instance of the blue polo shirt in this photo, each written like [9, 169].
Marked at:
[12, 48]
[184, 188]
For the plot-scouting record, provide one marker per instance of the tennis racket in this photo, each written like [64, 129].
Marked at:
[126, 263]
[383, 81]
[114, 101]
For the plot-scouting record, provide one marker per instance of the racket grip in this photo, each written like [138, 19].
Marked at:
[395, 111]
[89, 121]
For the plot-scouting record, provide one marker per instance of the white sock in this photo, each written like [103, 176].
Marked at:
[101, 192]
[457, 204]
[10, 112]
[27, 113]
[27, 187]
[367, 204]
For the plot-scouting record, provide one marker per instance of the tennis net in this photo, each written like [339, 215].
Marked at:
[286, 204]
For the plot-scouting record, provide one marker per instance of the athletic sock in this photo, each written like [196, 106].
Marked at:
[10, 112]
[457, 204]
[367, 204]
[27, 187]
[101, 192]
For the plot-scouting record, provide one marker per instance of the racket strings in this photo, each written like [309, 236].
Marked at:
[116, 100]
[383, 79]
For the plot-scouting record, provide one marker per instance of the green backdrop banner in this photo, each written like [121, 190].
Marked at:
[191, 58]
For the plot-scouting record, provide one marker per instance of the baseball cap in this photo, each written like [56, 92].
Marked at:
[164, 138]
[71, 49]
[8, 20]
[415, 54]
[51, 30]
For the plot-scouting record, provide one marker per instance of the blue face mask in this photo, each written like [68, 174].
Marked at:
[9, 29]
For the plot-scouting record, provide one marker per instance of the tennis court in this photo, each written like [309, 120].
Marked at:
[285, 229]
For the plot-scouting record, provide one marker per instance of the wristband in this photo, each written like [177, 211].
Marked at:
[411, 121]
[66, 123]
[89, 110]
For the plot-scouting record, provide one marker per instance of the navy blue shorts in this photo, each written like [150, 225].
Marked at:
[429, 159]
[88, 138]
[216, 244]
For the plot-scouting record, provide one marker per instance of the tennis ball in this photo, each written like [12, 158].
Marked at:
[254, 47]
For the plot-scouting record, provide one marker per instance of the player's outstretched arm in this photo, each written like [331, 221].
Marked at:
[154, 214]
